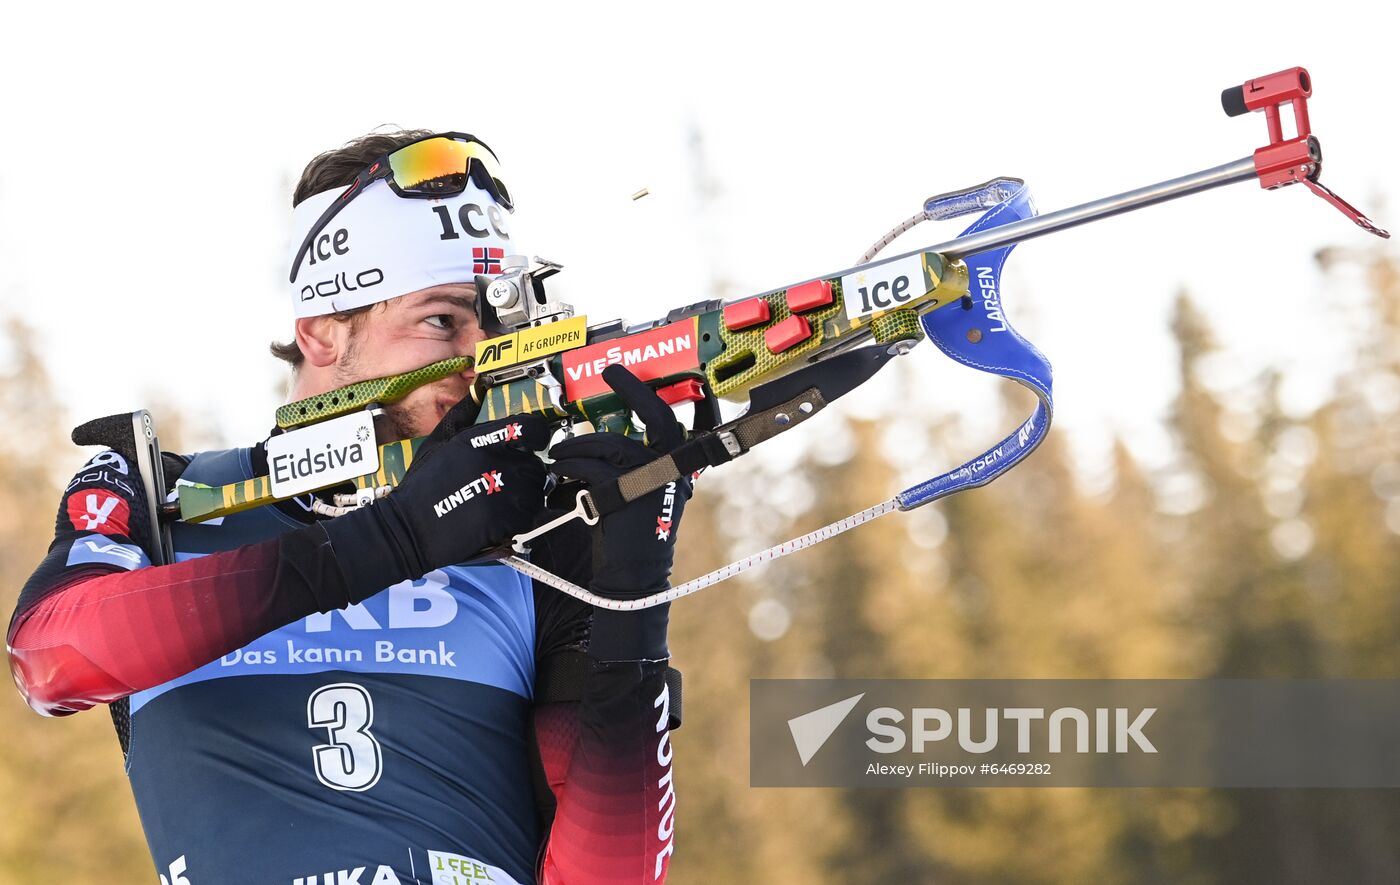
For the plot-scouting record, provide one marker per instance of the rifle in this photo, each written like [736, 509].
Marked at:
[786, 353]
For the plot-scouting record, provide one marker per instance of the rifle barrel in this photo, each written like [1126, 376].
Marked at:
[1019, 231]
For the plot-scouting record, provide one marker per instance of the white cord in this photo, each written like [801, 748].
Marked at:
[892, 235]
[526, 567]
[347, 503]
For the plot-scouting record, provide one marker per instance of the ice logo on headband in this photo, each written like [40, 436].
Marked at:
[381, 246]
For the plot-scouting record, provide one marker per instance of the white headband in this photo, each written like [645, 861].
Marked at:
[381, 246]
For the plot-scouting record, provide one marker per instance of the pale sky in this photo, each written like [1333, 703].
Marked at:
[149, 153]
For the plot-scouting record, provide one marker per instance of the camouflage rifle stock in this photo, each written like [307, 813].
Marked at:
[786, 353]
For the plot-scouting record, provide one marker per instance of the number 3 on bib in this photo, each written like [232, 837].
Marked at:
[352, 760]
[177, 873]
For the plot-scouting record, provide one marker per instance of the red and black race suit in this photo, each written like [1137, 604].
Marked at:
[270, 740]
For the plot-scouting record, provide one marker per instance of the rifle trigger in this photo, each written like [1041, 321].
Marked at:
[556, 391]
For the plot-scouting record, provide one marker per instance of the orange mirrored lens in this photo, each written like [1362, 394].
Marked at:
[418, 166]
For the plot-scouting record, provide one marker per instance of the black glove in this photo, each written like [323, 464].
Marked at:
[632, 548]
[470, 488]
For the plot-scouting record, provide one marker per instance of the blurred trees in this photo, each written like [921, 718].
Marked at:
[1267, 548]
[67, 813]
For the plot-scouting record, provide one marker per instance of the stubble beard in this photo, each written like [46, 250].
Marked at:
[395, 422]
[399, 422]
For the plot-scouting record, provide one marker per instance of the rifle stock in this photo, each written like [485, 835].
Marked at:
[548, 362]
[727, 349]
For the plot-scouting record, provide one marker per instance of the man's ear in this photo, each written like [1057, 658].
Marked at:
[322, 339]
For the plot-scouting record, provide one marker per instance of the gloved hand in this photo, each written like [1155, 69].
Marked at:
[470, 488]
[633, 548]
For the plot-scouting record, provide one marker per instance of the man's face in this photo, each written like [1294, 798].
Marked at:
[408, 333]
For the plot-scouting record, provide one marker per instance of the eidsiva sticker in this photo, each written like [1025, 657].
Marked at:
[884, 287]
[322, 454]
[98, 510]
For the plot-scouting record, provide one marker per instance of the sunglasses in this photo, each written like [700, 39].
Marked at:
[432, 167]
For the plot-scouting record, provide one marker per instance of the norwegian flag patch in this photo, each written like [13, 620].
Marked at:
[487, 259]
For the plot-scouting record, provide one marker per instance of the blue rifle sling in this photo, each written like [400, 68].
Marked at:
[982, 337]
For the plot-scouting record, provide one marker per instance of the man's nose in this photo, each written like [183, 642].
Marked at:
[473, 339]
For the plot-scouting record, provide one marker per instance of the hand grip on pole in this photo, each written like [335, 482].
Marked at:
[1287, 161]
